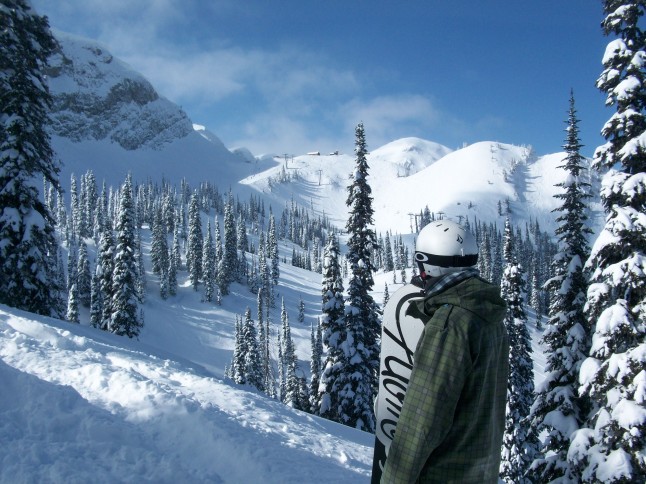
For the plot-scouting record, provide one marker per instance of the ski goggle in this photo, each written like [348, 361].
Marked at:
[446, 260]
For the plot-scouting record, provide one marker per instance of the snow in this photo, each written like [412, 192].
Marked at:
[79, 404]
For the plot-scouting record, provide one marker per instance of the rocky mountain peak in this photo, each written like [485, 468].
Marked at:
[97, 97]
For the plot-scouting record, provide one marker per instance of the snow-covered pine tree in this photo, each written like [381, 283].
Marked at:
[83, 227]
[334, 332]
[74, 208]
[252, 358]
[96, 303]
[172, 273]
[28, 278]
[141, 269]
[558, 410]
[176, 251]
[272, 249]
[360, 376]
[208, 264]
[301, 311]
[229, 263]
[519, 444]
[83, 276]
[72, 266]
[292, 389]
[239, 350]
[91, 199]
[125, 317]
[195, 240]
[159, 243]
[104, 272]
[72, 314]
[241, 231]
[316, 342]
[263, 343]
[610, 445]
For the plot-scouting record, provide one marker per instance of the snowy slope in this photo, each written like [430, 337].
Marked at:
[466, 183]
[80, 405]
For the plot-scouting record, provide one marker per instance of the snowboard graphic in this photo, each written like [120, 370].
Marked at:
[399, 337]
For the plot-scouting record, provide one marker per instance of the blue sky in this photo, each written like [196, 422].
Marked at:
[295, 76]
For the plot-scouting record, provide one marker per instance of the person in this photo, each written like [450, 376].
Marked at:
[452, 420]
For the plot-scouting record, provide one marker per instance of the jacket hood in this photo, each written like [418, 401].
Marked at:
[473, 294]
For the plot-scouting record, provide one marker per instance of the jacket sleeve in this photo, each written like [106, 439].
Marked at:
[442, 362]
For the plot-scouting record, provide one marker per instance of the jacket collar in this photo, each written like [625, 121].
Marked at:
[437, 285]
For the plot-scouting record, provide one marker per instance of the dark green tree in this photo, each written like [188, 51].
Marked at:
[359, 378]
[519, 445]
[28, 252]
[558, 410]
[125, 318]
[195, 241]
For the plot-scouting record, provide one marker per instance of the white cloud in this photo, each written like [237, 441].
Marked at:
[390, 117]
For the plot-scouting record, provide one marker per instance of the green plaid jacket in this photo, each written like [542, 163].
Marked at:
[452, 420]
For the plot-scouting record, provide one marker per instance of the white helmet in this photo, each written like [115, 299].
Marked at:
[444, 246]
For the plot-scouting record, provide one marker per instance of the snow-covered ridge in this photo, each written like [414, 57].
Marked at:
[97, 97]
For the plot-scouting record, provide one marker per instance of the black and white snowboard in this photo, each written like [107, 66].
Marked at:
[399, 337]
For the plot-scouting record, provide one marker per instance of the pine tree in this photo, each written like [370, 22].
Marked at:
[239, 351]
[610, 446]
[316, 342]
[176, 251]
[334, 333]
[125, 315]
[72, 266]
[28, 278]
[195, 241]
[228, 264]
[252, 358]
[360, 377]
[272, 246]
[141, 269]
[558, 410]
[519, 445]
[386, 295]
[84, 276]
[104, 273]
[159, 244]
[301, 311]
[208, 264]
[75, 210]
[288, 363]
[96, 303]
[72, 305]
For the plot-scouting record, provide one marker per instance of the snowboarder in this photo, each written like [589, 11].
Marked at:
[451, 424]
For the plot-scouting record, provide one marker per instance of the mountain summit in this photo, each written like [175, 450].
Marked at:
[97, 97]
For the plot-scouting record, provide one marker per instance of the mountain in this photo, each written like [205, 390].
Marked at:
[410, 174]
[107, 117]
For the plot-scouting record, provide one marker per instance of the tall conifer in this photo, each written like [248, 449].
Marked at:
[558, 410]
[611, 444]
[28, 252]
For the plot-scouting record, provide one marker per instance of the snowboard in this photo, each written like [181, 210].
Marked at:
[399, 337]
